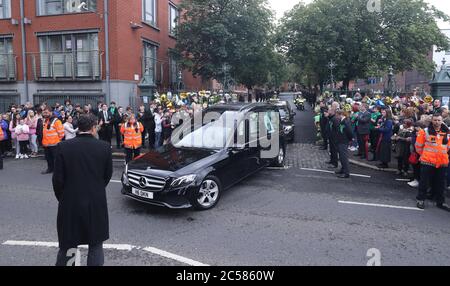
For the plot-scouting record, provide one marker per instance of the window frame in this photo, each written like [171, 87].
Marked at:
[172, 20]
[5, 8]
[154, 21]
[9, 61]
[146, 45]
[42, 4]
[74, 52]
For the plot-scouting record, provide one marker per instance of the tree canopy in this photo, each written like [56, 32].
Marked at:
[360, 42]
[235, 33]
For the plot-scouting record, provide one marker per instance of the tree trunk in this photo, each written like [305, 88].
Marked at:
[346, 83]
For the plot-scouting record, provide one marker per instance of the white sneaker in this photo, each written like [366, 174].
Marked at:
[25, 156]
[414, 184]
[21, 156]
[17, 156]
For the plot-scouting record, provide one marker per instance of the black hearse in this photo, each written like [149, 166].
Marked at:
[197, 167]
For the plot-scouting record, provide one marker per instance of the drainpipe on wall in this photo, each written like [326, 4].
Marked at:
[108, 80]
[24, 59]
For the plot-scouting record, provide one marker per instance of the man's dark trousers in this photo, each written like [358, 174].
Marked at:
[50, 156]
[343, 157]
[96, 256]
[334, 153]
[429, 175]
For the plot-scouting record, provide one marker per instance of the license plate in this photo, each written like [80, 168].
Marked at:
[142, 194]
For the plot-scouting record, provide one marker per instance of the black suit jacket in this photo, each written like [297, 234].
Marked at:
[83, 169]
[102, 118]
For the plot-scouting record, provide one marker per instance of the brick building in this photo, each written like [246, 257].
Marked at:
[77, 49]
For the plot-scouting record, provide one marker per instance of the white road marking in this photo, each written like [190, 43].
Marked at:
[116, 181]
[380, 205]
[173, 256]
[331, 172]
[403, 180]
[121, 247]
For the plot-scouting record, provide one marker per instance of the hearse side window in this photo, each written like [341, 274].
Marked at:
[269, 118]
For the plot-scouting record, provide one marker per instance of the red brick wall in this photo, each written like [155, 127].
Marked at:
[125, 43]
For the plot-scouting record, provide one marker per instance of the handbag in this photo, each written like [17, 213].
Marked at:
[414, 158]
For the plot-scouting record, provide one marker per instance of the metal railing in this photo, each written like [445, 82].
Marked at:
[63, 66]
[8, 67]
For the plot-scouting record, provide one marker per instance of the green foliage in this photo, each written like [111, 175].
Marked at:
[233, 32]
[361, 43]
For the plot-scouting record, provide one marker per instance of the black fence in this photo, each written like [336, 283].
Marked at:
[8, 99]
[51, 99]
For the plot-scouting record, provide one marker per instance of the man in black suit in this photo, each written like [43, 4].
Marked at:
[105, 120]
[83, 169]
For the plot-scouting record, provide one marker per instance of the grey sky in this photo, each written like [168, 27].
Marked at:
[281, 6]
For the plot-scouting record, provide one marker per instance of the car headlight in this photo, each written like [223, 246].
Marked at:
[184, 181]
[125, 176]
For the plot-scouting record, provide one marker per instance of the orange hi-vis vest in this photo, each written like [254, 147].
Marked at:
[431, 149]
[131, 138]
[52, 135]
[1, 134]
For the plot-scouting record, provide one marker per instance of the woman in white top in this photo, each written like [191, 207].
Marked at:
[69, 131]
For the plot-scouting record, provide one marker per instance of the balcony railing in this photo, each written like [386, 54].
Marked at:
[8, 67]
[67, 66]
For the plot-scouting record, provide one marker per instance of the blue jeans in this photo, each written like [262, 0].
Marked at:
[158, 139]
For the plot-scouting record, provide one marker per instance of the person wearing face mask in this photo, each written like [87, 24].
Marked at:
[52, 134]
[132, 138]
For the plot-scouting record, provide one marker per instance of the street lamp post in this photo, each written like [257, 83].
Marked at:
[331, 66]
[391, 81]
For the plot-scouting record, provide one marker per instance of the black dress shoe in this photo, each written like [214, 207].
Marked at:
[339, 172]
[421, 205]
[343, 176]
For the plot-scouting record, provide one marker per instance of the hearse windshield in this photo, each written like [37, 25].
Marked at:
[216, 133]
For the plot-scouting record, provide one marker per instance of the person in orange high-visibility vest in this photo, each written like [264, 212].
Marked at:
[1, 153]
[432, 145]
[52, 134]
[132, 138]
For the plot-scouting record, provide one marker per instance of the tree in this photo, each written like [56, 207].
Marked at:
[362, 43]
[236, 33]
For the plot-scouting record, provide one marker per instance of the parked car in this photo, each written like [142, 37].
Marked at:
[287, 118]
[196, 170]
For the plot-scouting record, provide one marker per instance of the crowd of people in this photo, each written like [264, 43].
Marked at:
[409, 130]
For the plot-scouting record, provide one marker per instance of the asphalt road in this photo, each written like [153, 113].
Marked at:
[277, 217]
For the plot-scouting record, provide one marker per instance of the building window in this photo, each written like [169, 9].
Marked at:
[55, 7]
[69, 56]
[5, 9]
[7, 59]
[149, 62]
[174, 70]
[173, 19]
[149, 11]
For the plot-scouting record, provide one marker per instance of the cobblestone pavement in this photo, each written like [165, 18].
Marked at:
[303, 155]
